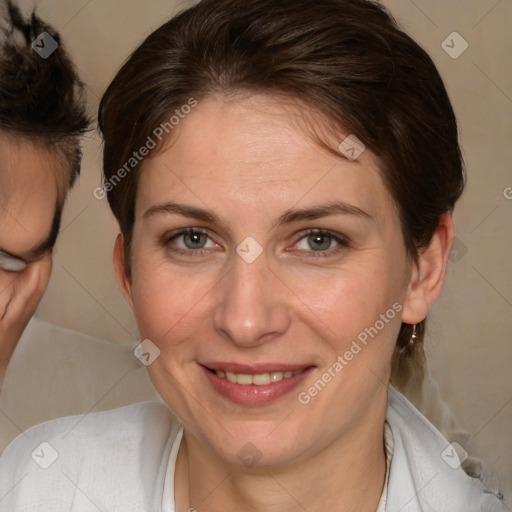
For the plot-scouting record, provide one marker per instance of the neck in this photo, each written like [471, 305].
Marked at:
[347, 476]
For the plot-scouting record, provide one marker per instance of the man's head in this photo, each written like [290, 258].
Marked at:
[42, 116]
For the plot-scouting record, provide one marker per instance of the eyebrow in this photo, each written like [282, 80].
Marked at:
[317, 212]
[288, 217]
[33, 253]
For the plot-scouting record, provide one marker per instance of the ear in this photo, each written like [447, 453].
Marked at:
[428, 274]
[123, 280]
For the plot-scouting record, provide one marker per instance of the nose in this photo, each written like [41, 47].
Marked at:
[251, 305]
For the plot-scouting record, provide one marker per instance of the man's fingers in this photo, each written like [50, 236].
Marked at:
[29, 288]
[18, 301]
[6, 291]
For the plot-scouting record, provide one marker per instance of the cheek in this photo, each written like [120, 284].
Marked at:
[358, 317]
[344, 302]
[167, 306]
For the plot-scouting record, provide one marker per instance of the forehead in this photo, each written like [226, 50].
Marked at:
[28, 194]
[258, 151]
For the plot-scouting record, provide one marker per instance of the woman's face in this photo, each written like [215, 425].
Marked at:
[256, 252]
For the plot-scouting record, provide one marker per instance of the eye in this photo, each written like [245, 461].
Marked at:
[320, 241]
[190, 240]
[11, 264]
[197, 242]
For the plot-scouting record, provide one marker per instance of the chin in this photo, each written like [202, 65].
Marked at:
[253, 445]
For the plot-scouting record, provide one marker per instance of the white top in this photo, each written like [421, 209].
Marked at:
[58, 372]
[123, 460]
[389, 445]
[168, 493]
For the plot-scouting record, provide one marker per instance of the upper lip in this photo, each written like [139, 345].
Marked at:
[254, 368]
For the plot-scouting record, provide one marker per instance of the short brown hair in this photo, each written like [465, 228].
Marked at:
[346, 58]
[42, 99]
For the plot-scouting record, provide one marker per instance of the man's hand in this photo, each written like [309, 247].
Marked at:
[20, 294]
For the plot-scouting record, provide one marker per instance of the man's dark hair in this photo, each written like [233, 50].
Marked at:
[346, 59]
[41, 99]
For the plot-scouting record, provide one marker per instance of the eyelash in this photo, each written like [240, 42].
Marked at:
[343, 243]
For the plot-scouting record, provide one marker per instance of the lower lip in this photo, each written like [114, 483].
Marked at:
[251, 394]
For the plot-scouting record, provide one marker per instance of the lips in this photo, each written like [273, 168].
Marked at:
[254, 384]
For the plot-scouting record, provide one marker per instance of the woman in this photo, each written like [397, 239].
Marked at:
[283, 175]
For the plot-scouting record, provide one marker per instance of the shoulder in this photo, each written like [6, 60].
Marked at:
[49, 462]
[426, 471]
[57, 372]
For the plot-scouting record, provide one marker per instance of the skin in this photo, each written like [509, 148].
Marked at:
[248, 160]
[27, 208]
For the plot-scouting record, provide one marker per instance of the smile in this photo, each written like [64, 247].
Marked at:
[258, 379]
[254, 384]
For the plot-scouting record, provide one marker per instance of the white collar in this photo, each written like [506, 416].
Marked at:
[417, 477]
[420, 479]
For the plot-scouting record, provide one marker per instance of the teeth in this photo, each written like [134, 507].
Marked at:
[243, 379]
[258, 379]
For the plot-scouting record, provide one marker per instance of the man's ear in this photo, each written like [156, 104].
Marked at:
[123, 280]
[428, 274]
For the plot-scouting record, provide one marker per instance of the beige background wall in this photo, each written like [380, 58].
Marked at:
[471, 326]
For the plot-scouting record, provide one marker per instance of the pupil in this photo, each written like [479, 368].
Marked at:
[193, 240]
[319, 242]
